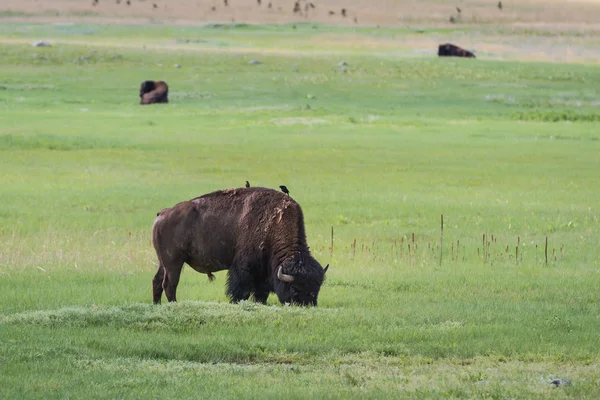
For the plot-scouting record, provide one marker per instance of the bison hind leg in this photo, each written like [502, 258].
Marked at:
[171, 271]
[157, 284]
[171, 281]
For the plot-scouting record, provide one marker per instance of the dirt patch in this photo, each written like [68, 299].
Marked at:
[338, 12]
[545, 30]
[299, 121]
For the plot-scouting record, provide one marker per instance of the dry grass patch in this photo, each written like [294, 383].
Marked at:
[358, 13]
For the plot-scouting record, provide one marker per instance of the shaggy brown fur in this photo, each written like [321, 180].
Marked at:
[255, 233]
[450, 50]
[154, 92]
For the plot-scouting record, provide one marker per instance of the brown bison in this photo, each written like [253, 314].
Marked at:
[255, 233]
[154, 92]
[450, 50]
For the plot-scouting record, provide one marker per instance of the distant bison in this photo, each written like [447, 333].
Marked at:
[255, 233]
[154, 92]
[450, 50]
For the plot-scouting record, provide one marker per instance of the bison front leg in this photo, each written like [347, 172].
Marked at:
[261, 297]
[239, 285]
[261, 292]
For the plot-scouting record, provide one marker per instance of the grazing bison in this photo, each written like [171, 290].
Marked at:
[154, 92]
[450, 50]
[256, 233]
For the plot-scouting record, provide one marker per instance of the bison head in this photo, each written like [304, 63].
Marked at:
[146, 87]
[299, 281]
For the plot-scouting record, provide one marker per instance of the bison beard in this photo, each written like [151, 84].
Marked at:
[154, 92]
[255, 233]
[450, 50]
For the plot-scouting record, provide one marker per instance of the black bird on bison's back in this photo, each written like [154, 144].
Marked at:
[247, 184]
[284, 189]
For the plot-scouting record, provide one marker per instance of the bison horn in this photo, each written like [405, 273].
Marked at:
[325, 270]
[284, 277]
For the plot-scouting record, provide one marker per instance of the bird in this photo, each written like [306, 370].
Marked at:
[226, 3]
[284, 189]
[128, 2]
[247, 184]
[560, 381]
[500, 5]
[343, 12]
[458, 10]
[154, 5]
[258, 1]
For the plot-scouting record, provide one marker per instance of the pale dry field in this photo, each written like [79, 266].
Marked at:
[556, 14]
[527, 30]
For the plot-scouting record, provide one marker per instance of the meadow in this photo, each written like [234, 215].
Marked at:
[376, 143]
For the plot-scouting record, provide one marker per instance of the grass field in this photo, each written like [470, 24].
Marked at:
[504, 147]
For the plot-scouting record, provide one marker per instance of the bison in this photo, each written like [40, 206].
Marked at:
[450, 50]
[255, 233]
[154, 92]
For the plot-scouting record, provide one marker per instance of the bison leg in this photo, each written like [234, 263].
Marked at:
[157, 284]
[261, 292]
[170, 271]
[239, 285]
[171, 281]
[261, 297]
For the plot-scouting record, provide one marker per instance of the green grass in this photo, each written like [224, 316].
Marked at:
[377, 151]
